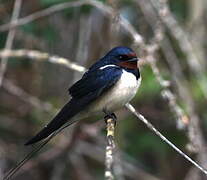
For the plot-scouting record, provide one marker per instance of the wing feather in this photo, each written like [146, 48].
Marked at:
[92, 85]
[95, 82]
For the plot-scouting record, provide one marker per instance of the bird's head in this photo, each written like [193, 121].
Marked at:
[124, 57]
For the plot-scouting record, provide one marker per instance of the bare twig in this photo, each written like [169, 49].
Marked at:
[8, 45]
[152, 128]
[181, 117]
[131, 169]
[118, 165]
[54, 59]
[39, 56]
[40, 14]
[153, 20]
[24, 96]
[183, 40]
[109, 159]
[12, 171]
[10, 38]
[82, 52]
[179, 79]
[114, 22]
[59, 7]
[80, 165]
[197, 143]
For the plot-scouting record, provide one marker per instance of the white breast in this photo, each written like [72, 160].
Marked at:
[122, 92]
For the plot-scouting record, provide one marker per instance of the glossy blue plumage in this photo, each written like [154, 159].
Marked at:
[99, 79]
[112, 57]
[95, 82]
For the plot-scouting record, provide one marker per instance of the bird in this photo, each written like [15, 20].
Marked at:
[108, 85]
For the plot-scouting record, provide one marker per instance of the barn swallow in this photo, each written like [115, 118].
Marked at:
[108, 85]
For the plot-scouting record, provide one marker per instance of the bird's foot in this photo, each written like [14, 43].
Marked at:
[110, 116]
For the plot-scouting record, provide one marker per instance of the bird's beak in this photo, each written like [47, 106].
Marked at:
[130, 63]
[135, 59]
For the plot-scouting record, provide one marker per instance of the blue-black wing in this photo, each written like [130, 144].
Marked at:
[95, 82]
[92, 85]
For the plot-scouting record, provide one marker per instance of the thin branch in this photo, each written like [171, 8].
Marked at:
[13, 170]
[39, 56]
[80, 166]
[114, 24]
[54, 59]
[109, 159]
[28, 98]
[153, 20]
[118, 165]
[197, 143]
[108, 11]
[183, 40]
[10, 38]
[152, 128]
[131, 169]
[40, 14]
[181, 117]
[45, 56]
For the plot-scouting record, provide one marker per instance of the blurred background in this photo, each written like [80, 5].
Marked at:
[170, 38]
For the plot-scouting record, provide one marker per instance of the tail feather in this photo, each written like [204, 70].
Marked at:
[65, 114]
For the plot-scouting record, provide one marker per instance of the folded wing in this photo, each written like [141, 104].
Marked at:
[92, 85]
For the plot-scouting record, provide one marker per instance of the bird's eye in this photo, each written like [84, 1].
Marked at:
[122, 57]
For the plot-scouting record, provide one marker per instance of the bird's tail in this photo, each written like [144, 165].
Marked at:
[65, 115]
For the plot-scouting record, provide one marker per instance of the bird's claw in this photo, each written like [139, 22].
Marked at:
[110, 116]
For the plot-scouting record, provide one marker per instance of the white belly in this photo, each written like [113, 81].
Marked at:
[122, 92]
